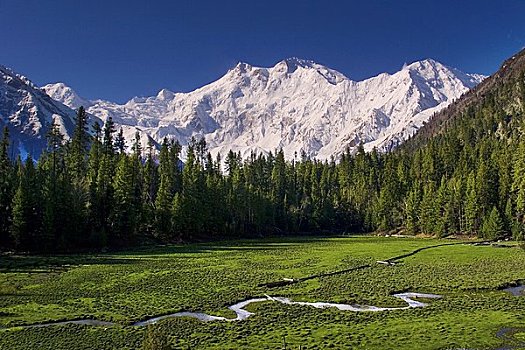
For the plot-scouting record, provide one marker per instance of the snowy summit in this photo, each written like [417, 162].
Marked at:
[297, 105]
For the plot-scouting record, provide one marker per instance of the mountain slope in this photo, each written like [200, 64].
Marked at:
[504, 89]
[29, 113]
[297, 105]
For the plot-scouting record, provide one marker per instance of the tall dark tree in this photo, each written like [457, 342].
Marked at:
[27, 222]
[123, 210]
[7, 184]
[55, 192]
[78, 147]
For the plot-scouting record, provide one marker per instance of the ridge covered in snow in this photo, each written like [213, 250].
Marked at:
[29, 112]
[297, 105]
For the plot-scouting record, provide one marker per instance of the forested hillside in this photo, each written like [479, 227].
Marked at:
[464, 173]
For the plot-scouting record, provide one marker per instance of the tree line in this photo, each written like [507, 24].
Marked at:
[89, 193]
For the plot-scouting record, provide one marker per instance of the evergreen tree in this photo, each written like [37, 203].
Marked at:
[123, 215]
[428, 211]
[94, 207]
[164, 199]
[493, 227]
[412, 203]
[518, 184]
[278, 180]
[27, 210]
[149, 190]
[472, 208]
[7, 183]
[78, 148]
[55, 189]
[106, 171]
[120, 142]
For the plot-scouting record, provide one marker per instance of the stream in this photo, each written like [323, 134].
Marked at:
[517, 291]
[507, 333]
[242, 314]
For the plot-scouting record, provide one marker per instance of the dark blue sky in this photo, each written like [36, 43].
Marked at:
[118, 49]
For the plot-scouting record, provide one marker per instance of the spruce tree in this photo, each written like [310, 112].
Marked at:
[56, 204]
[149, 190]
[76, 169]
[7, 185]
[120, 142]
[428, 212]
[472, 206]
[123, 212]
[106, 172]
[518, 184]
[493, 227]
[78, 148]
[94, 207]
[26, 227]
[165, 193]
[412, 203]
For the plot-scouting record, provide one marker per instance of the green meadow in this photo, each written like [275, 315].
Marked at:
[131, 286]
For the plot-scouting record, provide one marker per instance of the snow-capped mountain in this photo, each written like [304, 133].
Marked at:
[63, 93]
[29, 113]
[297, 105]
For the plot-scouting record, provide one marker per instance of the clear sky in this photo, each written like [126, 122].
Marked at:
[119, 49]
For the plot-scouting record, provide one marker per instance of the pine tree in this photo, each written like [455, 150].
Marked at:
[443, 210]
[149, 190]
[107, 142]
[7, 183]
[20, 230]
[123, 212]
[278, 181]
[472, 208]
[163, 202]
[56, 206]
[518, 184]
[120, 142]
[412, 204]
[78, 148]
[137, 180]
[76, 169]
[428, 211]
[94, 204]
[27, 211]
[493, 227]
[104, 181]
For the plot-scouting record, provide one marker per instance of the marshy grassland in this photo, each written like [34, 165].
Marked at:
[131, 286]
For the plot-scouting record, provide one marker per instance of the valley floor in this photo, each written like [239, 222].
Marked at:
[128, 287]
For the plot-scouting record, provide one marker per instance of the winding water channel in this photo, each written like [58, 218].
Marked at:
[242, 314]
[517, 291]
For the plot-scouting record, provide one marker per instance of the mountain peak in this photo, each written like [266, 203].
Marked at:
[297, 105]
[242, 67]
[29, 112]
[299, 62]
[427, 63]
[165, 94]
[13, 75]
[62, 92]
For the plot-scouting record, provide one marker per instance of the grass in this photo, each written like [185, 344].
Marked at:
[130, 286]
